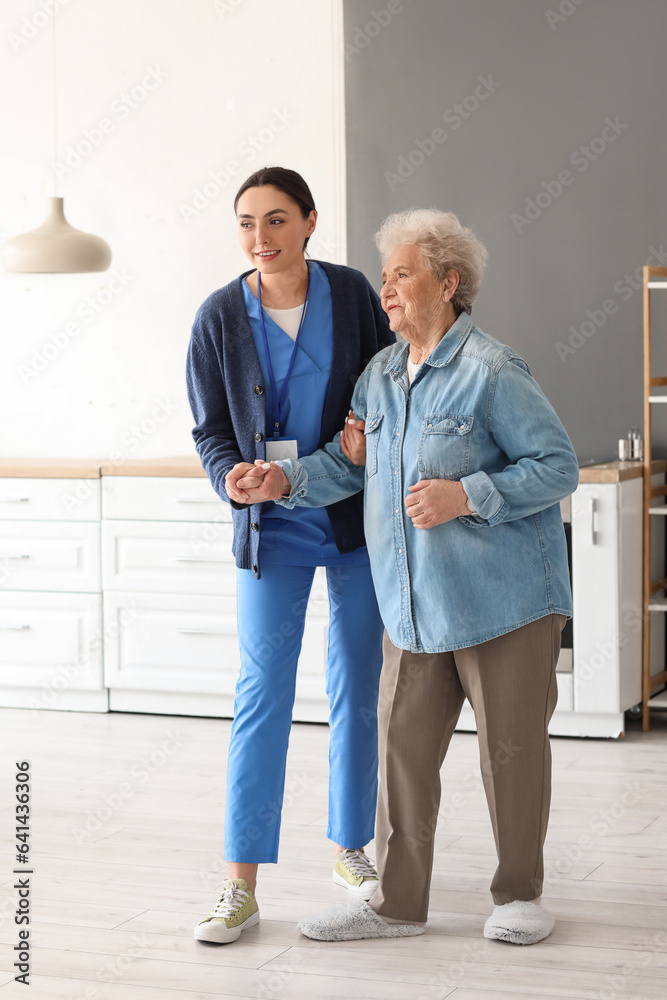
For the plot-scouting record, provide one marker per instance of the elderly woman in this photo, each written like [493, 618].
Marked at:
[466, 462]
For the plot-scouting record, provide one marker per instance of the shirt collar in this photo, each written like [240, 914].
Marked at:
[450, 344]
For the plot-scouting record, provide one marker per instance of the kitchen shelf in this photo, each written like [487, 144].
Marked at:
[655, 278]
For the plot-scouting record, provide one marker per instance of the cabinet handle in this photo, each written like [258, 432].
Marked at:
[593, 531]
[22, 555]
[201, 559]
[203, 631]
[194, 500]
[14, 499]
[7, 628]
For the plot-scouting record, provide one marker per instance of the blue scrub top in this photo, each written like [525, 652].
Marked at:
[299, 537]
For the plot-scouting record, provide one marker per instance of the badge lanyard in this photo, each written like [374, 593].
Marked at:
[278, 403]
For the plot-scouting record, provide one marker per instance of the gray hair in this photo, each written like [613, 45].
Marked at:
[443, 245]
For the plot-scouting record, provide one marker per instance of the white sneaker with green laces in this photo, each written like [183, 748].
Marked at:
[235, 910]
[356, 872]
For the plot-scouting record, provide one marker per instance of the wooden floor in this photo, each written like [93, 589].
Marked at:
[127, 823]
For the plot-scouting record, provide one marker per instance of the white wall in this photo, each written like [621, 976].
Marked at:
[208, 83]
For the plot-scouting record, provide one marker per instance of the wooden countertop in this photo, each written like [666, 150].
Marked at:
[50, 468]
[179, 465]
[617, 472]
[93, 468]
[190, 466]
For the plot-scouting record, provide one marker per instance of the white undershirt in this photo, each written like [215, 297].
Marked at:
[412, 369]
[287, 319]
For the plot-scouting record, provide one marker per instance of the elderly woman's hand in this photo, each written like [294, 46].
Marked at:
[435, 501]
[353, 441]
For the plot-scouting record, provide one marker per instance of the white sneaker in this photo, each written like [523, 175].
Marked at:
[235, 910]
[356, 872]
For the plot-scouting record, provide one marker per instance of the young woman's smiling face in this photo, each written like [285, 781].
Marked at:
[272, 229]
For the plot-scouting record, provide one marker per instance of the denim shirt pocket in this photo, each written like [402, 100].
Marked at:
[372, 432]
[444, 449]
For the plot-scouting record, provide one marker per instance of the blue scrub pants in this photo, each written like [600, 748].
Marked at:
[271, 618]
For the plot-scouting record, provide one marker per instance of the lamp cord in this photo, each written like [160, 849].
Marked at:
[55, 171]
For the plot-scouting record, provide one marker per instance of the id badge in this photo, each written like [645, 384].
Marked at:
[282, 448]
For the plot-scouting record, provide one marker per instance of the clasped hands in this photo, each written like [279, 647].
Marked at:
[263, 481]
[430, 501]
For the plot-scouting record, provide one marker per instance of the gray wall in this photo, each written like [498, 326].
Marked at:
[409, 63]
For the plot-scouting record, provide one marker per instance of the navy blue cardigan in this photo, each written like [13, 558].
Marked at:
[228, 398]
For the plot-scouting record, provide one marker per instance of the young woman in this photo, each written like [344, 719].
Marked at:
[272, 363]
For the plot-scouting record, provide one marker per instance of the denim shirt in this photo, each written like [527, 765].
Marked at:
[475, 414]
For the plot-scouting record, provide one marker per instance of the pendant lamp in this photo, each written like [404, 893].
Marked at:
[55, 247]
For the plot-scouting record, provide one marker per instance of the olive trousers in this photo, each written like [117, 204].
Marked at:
[510, 681]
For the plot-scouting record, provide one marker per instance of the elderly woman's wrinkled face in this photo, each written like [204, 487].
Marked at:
[411, 297]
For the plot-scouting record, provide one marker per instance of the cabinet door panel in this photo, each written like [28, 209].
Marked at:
[176, 643]
[595, 585]
[171, 558]
[162, 498]
[170, 642]
[49, 499]
[51, 642]
[43, 555]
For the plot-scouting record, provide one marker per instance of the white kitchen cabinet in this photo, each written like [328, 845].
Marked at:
[599, 679]
[167, 557]
[169, 586]
[51, 651]
[50, 589]
[162, 498]
[58, 499]
[48, 555]
[119, 593]
[607, 531]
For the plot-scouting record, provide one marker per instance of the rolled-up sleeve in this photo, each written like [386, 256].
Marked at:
[542, 467]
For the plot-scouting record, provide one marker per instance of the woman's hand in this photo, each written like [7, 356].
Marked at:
[353, 440]
[256, 483]
[435, 501]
